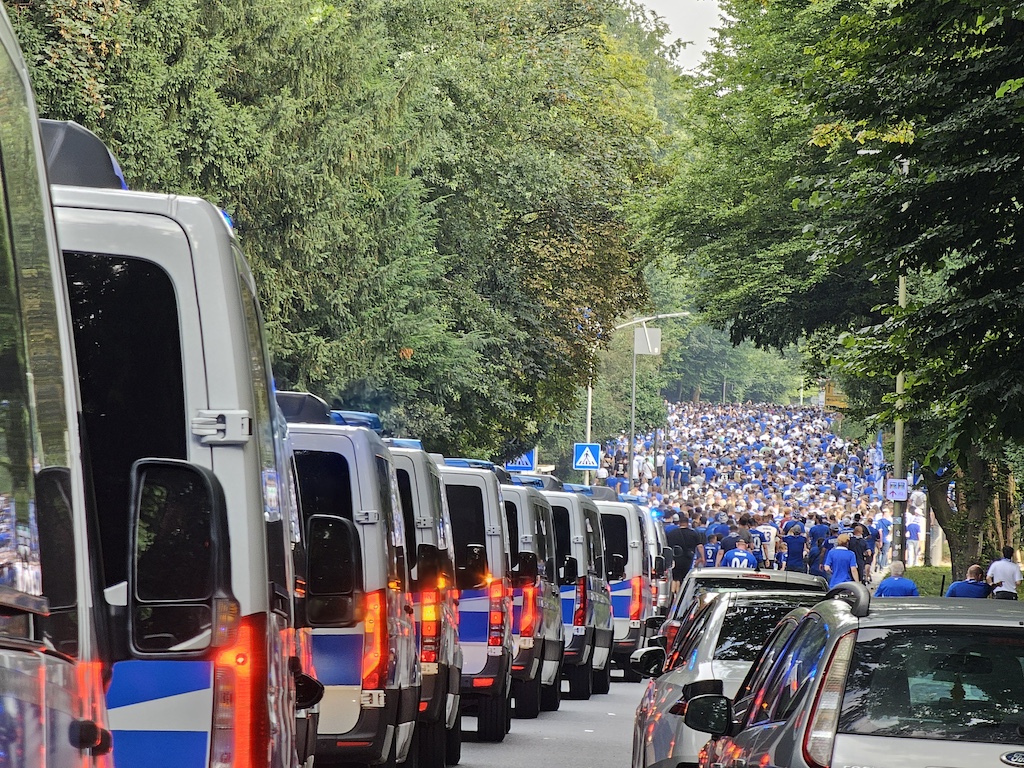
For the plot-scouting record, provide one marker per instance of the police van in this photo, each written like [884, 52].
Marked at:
[484, 581]
[537, 630]
[51, 644]
[586, 598]
[185, 460]
[430, 549]
[358, 600]
[629, 563]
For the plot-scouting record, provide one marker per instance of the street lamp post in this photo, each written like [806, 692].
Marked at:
[632, 408]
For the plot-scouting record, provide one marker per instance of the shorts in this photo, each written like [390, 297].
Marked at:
[1003, 595]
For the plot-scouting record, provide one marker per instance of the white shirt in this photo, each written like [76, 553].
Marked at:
[1005, 571]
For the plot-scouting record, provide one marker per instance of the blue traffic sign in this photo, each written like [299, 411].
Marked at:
[525, 463]
[586, 456]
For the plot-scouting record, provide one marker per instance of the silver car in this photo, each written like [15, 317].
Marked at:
[898, 682]
[713, 654]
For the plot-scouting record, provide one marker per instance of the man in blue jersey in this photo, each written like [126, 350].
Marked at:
[973, 586]
[739, 557]
[897, 585]
[795, 543]
[840, 562]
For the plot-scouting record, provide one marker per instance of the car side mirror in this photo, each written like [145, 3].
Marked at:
[179, 579]
[334, 569]
[648, 662]
[308, 691]
[709, 713]
[654, 623]
[570, 570]
[703, 687]
[660, 641]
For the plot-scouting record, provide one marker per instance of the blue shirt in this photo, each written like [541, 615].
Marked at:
[897, 586]
[795, 552]
[968, 588]
[843, 563]
[711, 553]
[913, 532]
[739, 558]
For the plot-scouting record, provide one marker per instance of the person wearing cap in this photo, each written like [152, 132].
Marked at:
[897, 585]
[973, 586]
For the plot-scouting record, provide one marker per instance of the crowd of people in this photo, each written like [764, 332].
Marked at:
[770, 486]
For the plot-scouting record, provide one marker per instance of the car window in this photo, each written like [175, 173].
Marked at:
[792, 676]
[769, 653]
[743, 629]
[686, 642]
[953, 684]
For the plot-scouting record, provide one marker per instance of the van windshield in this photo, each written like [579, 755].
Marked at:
[469, 528]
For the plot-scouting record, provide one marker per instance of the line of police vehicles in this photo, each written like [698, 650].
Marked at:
[188, 579]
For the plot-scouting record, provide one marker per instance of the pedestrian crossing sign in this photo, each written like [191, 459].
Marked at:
[584, 456]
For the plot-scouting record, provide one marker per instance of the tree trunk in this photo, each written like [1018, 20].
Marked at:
[964, 523]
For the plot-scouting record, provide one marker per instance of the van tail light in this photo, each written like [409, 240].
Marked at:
[821, 731]
[636, 598]
[375, 641]
[579, 616]
[528, 617]
[430, 625]
[496, 613]
[241, 716]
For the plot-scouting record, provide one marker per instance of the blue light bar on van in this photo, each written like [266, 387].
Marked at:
[405, 442]
[359, 419]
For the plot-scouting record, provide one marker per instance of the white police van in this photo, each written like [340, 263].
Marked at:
[430, 548]
[483, 578]
[358, 603]
[628, 560]
[586, 598]
[50, 642]
[537, 631]
[186, 465]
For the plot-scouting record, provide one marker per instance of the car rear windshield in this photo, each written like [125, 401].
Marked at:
[747, 624]
[951, 684]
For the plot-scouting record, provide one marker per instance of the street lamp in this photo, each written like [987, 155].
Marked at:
[644, 334]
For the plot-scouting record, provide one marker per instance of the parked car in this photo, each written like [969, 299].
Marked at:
[700, 580]
[908, 683]
[484, 581]
[713, 655]
[629, 564]
[430, 549]
[537, 631]
[586, 597]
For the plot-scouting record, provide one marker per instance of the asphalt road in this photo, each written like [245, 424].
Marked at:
[582, 734]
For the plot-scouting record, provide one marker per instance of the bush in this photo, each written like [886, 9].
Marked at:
[929, 579]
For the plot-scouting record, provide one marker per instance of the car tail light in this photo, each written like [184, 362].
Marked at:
[636, 598]
[430, 625]
[375, 641]
[671, 630]
[528, 617]
[496, 613]
[821, 732]
[241, 717]
[579, 617]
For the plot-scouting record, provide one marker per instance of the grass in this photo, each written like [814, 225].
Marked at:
[929, 579]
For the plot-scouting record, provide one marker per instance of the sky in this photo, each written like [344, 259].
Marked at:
[690, 20]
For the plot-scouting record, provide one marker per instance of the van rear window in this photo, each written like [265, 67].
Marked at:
[562, 534]
[466, 506]
[616, 536]
[512, 516]
[325, 486]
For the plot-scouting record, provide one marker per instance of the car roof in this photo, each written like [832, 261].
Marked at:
[933, 611]
[741, 574]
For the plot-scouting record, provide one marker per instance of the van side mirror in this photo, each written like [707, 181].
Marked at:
[677, 552]
[709, 713]
[659, 566]
[428, 564]
[179, 579]
[617, 567]
[526, 572]
[334, 571]
[669, 556]
[570, 571]
[474, 568]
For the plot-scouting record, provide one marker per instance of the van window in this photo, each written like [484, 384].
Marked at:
[512, 518]
[563, 535]
[405, 495]
[391, 513]
[466, 506]
[540, 534]
[263, 431]
[595, 540]
[616, 536]
[325, 484]
[127, 341]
